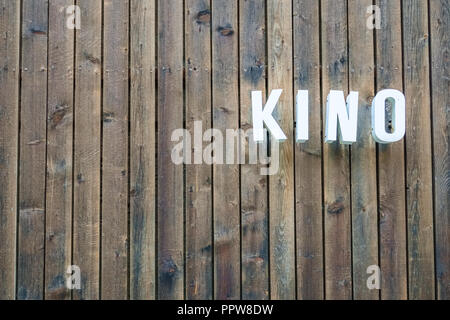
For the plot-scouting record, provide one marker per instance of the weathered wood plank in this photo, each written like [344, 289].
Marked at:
[199, 268]
[281, 185]
[9, 129]
[254, 186]
[170, 176]
[143, 150]
[31, 228]
[338, 277]
[114, 265]
[440, 64]
[225, 90]
[308, 164]
[58, 248]
[86, 207]
[363, 152]
[320, 242]
[391, 164]
[419, 193]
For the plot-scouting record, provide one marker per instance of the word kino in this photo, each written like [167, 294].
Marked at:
[338, 110]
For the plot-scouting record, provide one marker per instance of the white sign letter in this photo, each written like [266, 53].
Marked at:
[397, 99]
[302, 116]
[261, 116]
[347, 114]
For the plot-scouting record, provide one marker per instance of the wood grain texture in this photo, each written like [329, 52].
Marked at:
[363, 152]
[225, 90]
[31, 228]
[142, 149]
[254, 186]
[87, 149]
[58, 252]
[86, 124]
[9, 129]
[199, 236]
[391, 164]
[170, 176]
[419, 192]
[308, 164]
[440, 84]
[336, 161]
[282, 184]
[114, 243]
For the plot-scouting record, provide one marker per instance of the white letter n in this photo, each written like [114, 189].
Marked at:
[347, 114]
[261, 116]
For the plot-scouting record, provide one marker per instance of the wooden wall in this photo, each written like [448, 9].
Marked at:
[86, 118]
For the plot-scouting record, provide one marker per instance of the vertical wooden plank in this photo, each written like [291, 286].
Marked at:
[254, 186]
[58, 252]
[9, 129]
[31, 246]
[363, 152]
[170, 176]
[226, 176]
[338, 277]
[114, 271]
[419, 193]
[199, 268]
[142, 149]
[86, 208]
[281, 185]
[308, 164]
[391, 165]
[440, 30]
